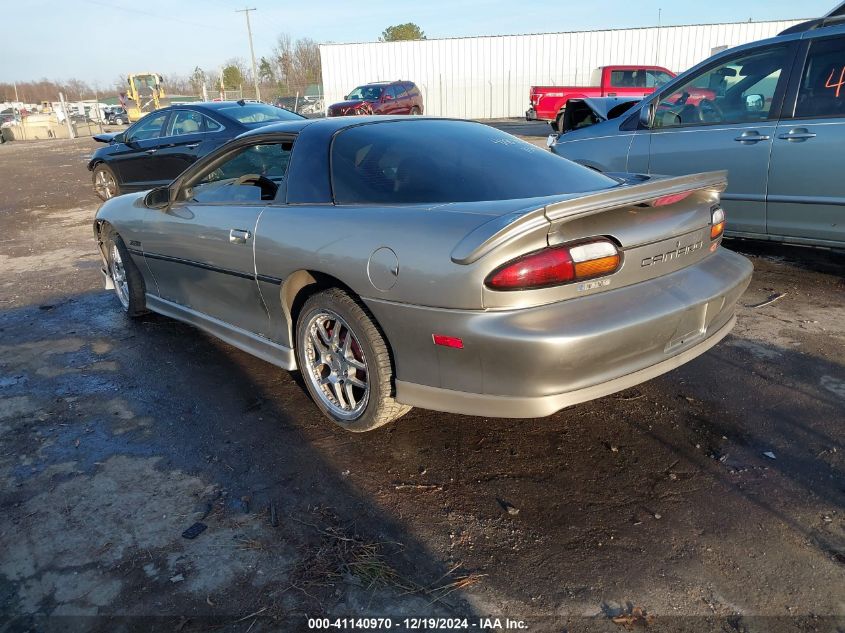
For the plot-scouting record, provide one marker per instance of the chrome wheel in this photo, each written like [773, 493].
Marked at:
[118, 275]
[336, 366]
[104, 184]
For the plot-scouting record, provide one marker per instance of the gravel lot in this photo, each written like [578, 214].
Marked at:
[711, 498]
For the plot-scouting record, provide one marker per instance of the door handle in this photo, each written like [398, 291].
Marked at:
[192, 145]
[239, 236]
[797, 134]
[151, 151]
[752, 137]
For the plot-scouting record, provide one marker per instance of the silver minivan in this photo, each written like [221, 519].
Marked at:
[771, 112]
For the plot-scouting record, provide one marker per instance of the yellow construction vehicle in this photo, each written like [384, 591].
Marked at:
[145, 94]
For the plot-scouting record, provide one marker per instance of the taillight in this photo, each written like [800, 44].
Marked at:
[556, 266]
[717, 223]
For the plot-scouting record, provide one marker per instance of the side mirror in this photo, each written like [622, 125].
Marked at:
[158, 198]
[755, 103]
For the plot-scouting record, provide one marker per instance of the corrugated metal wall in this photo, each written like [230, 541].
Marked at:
[487, 77]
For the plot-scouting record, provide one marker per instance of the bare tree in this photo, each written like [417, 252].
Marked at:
[298, 63]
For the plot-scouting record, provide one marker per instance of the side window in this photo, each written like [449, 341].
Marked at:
[184, 122]
[211, 125]
[822, 89]
[252, 174]
[400, 91]
[411, 89]
[624, 79]
[391, 92]
[740, 90]
[148, 127]
[656, 78]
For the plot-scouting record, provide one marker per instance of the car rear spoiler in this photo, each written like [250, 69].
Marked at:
[504, 229]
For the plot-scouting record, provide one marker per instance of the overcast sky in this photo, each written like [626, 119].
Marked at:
[101, 40]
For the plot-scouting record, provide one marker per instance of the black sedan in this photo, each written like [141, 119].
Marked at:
[159, 147]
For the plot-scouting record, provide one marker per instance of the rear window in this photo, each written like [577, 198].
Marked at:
[258, 114]
[423, 160]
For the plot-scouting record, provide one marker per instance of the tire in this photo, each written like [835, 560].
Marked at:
[118, 121]
[335, 365]
[415, 111]
[558, 126]
[127, 279]
[105, 182]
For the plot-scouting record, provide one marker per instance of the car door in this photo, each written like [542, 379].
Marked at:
[806, 196]
[403, 101]
[200, 249]
[135, 162]
[390, 103]
[180, 143]
[723, 117]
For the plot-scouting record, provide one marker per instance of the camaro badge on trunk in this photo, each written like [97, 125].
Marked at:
[679, 251]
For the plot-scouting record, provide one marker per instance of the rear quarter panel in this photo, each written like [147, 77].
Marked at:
[340, 240]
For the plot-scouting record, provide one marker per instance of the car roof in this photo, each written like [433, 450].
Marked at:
[389, 83]
[330, 125]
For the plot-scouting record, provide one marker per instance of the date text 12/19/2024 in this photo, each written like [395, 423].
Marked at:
[410, 624]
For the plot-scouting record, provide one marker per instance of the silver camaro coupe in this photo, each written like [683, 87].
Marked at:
[401, 262]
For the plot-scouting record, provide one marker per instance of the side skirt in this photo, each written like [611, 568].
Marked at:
[269, 351]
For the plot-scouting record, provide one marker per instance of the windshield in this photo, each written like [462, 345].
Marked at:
[258, 114]
[366, 93]
[426, 160]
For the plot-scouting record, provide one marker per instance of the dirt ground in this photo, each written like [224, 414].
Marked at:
[711, 498]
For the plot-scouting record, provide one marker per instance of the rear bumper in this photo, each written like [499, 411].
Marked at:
[530, 114]
[535, 361]
[537, 407]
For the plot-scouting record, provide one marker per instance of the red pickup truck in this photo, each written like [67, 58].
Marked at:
[548, 102]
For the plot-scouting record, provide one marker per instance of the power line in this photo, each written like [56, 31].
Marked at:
[168, 18]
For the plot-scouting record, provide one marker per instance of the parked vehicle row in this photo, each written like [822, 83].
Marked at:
[396, 261]
[775, 121]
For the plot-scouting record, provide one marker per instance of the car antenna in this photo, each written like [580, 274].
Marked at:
[241, 102]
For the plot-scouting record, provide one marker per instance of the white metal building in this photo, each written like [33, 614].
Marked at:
[488, 77]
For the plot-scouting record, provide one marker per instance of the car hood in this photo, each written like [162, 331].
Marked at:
[585, 112]
[603, 105]
[348, 104]
[104, 137]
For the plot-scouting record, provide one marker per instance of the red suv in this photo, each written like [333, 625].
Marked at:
[381, 97]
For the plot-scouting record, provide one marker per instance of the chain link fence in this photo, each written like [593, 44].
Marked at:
[21, 121]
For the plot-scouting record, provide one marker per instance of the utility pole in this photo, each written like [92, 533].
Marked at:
[251, 52]
[657, 46]
[67, 115]
[15, 84]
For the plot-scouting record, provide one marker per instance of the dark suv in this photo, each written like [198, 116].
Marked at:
[381, 97]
